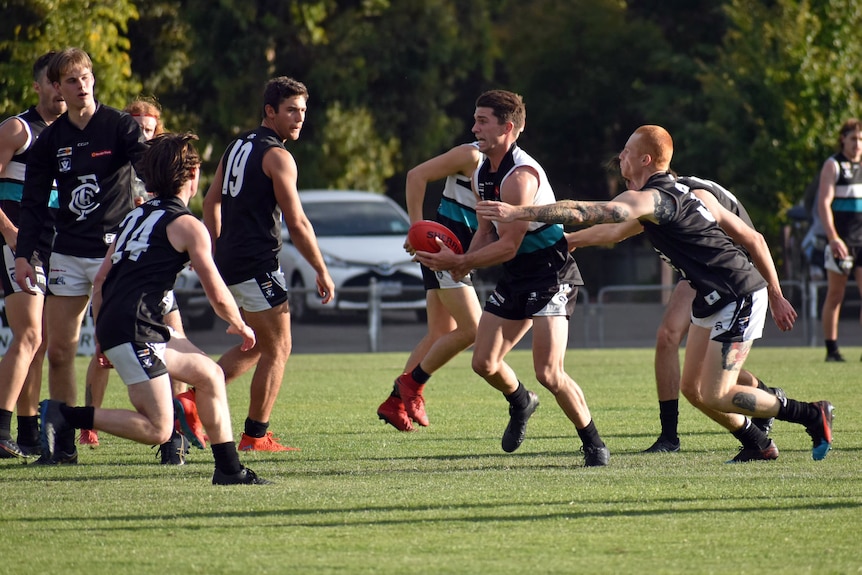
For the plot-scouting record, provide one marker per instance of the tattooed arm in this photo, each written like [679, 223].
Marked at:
[628, 206]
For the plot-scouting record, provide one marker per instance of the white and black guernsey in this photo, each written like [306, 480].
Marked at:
[145, 267]
[457, 209]
[543, 259]
[12, 182]
[693, 244]
[847, 202]
[250, 236]
[93, 170]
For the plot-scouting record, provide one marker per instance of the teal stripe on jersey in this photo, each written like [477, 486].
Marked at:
[541, 238]
[847, 205]
[456, 212]
[11, 190]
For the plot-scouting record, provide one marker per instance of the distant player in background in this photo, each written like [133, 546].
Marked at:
[452, 306]
[21, 365]
[839, 205]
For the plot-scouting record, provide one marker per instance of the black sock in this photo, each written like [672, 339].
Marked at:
[668, 414]
[590, 436]
[78, 417]
[5, 424]
[28, 430]
[831, 345]
[761, 385]
[519, 398]
[226, 458]
[801, 412]
[751, 437]
[255, 428]
[419, 375]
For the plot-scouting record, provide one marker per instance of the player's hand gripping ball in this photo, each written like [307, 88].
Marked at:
[422, 234]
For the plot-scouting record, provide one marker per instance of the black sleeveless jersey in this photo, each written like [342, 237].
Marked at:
[145, 266]
[694, 245]
[93, 170]
[12, 184]
[250, 236]
[727, 200]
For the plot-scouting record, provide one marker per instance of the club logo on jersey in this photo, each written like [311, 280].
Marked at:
[84, 197]
[64, 165]
[847, 170]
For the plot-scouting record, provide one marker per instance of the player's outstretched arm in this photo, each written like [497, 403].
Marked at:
[753, 241]
[603, 234]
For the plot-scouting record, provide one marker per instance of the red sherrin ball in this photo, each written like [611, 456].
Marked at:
[421, 236]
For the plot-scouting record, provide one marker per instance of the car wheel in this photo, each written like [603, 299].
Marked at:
[299, 311]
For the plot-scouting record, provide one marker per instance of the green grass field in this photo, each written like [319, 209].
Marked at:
[363, 498]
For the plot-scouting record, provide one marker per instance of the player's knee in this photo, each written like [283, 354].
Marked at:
[667, 338]
[484, 367]
[61, 354]
[28, 342]
[550, 379]
[693, 394]
[465, 337]
[162, 434]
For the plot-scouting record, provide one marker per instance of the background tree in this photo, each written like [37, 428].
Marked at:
[405, 63]
[752, 91]
[787, 76]
[566, 60]
[29, 28]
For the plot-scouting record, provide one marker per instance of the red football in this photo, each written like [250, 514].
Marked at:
[421, 236]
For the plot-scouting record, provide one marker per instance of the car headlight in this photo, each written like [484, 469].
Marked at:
[335, 262]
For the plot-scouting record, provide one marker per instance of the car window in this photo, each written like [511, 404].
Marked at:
[356, 219]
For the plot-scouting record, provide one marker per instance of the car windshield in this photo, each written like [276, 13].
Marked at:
[355, 218]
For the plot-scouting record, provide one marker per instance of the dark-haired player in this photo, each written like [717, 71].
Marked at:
[253, 189]
[155, 241]
[539, 284]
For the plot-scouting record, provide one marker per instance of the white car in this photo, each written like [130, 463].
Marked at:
[361, 236]
[195, 309]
